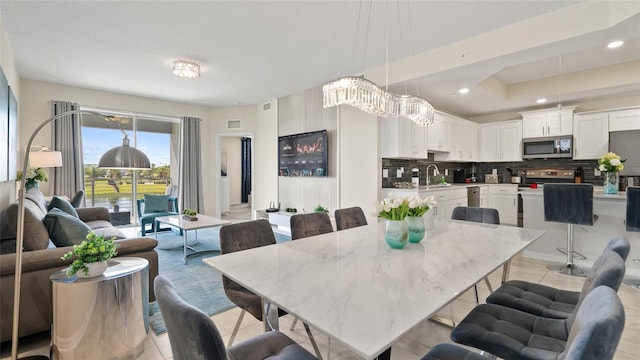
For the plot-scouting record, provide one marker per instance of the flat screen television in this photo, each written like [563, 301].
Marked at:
[303, 154]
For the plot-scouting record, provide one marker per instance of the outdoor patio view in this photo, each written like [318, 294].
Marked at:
[115, 189]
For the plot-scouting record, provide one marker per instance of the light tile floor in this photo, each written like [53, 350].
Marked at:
[427, 334]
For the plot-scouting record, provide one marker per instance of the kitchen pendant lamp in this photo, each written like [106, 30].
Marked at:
[370, 98]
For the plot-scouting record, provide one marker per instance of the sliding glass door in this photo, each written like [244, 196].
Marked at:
[118, 190]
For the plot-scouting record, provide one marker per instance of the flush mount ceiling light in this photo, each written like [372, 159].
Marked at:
[541, 101]
[186, 69]
[615, 44]
[464, 91]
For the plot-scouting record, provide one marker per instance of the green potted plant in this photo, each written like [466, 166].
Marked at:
[321, 208]
[189, 215]
[32, 178]
[91, 256]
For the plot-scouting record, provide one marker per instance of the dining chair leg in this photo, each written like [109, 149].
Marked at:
[293, 324]
[313, 341]
[236, 328]
[486, 281]
[475, 289]
[505, 271]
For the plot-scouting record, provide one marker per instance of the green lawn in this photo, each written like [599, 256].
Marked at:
[104, 190]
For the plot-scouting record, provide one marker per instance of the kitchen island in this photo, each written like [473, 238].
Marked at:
[588, 240]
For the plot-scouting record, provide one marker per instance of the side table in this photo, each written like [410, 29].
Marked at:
[105, 317]
[120, 217]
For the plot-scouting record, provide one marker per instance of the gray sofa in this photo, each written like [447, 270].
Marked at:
[40, 260]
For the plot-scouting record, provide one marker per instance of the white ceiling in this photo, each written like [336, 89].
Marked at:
[507, 52]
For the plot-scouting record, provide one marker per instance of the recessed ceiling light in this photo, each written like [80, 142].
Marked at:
[541, 101]
[615, 44]
[463, 91]
[186, 69]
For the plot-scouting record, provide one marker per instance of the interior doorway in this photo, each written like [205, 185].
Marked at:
[235, 176]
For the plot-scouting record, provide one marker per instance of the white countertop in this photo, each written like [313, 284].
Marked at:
[449, 186]
[350, 285]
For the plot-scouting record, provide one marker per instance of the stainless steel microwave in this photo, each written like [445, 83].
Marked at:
[548, 147]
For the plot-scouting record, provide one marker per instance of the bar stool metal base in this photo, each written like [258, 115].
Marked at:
[569, 269]
[634, 282]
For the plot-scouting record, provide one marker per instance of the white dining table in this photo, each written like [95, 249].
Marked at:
[351, 286]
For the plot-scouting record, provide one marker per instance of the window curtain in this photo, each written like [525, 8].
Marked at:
[190, 167]
[67, 138]
[246, 169]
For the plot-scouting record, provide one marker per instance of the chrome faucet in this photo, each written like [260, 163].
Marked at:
[428, 175]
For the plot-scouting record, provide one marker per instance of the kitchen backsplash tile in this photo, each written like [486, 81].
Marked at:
[480, 169]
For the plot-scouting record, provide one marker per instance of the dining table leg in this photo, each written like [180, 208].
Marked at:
[270, 316]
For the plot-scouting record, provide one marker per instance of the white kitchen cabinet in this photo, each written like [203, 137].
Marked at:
[504, 198]
[590, 135]
[550, 122]
[438, 133]
[501, 141]
[455, 198]
[403, 138]
[484, 196]
[621, 120]
[463, 141]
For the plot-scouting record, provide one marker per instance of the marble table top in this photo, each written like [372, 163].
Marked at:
[350, 285]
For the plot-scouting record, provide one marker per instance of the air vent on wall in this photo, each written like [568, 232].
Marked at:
[234, 124]
[266, 106]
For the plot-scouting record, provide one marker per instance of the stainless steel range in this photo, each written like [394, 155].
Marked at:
[540, 177]
[548, 176]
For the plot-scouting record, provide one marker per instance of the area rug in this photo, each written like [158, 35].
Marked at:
[197, 283]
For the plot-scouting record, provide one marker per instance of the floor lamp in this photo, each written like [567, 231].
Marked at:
[121, 157]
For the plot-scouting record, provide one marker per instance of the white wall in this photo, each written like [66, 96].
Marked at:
[359, 161]
[265, 157]
[234, 167]
[8, 188]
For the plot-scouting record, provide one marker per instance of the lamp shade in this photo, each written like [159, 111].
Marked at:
[124, 157]
[45, 158]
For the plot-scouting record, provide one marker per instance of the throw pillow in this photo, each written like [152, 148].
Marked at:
[155, 203]
[64, 205]
[64, 229]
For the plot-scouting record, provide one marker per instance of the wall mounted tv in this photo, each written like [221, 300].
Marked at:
[303, 154]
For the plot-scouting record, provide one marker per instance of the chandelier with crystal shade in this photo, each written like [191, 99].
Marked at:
[186, 69]
[370, 98]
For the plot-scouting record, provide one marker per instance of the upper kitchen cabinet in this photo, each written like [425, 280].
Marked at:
[438, 133]
[622, 120]
[501, 141]
[403, 138]
[550, 122]
[463, 141]
[590, 135]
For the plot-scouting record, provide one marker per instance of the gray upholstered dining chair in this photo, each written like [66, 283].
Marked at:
[593, 334]
[311, 224]
[550, 302]
[194, 336]
[571, 204]
[481, 215]
[632, 223]
[349, 218]
[243, 236]
[513, 334]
